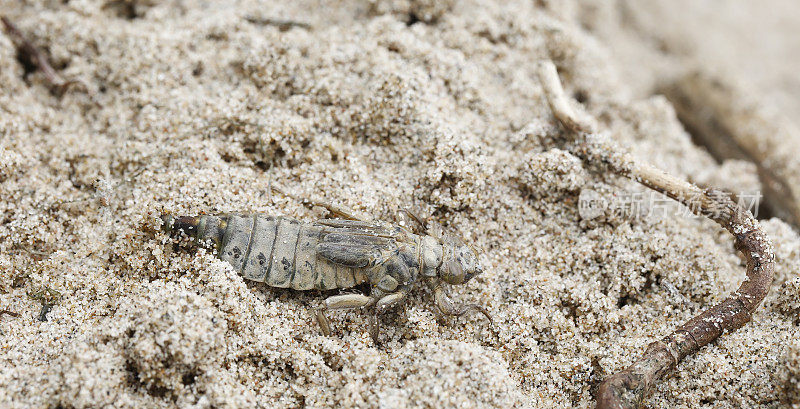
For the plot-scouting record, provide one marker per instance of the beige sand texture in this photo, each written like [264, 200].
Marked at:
[192, 107]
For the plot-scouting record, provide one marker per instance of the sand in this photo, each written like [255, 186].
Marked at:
[195, 107]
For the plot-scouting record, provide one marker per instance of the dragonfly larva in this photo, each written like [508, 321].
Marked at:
[336, 254]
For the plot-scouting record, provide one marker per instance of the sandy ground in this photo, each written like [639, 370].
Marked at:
[196, 107]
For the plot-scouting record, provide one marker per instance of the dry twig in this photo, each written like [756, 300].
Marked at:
[627, 389]
[34, 55]
[731, 123]
[282, 24]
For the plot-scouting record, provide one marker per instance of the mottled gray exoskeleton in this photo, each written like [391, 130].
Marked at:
[336, 254]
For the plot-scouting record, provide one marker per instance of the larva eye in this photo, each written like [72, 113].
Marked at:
[452, 273]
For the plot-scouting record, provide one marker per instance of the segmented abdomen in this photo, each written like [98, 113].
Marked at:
[278, 251]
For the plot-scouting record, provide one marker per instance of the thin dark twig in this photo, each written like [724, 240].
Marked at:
[11, 313]
[627, 389]
[36, 56]
[331, 208]
[283, 25]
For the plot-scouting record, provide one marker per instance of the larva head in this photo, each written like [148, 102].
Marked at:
[459, 261]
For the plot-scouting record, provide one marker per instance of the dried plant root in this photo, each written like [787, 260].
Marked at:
[282, 24]
[627, 389]
[731, 124]
[36, 56]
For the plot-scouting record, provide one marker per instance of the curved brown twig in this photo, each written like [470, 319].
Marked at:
[34, 54]
[36, 57]
[627, 389]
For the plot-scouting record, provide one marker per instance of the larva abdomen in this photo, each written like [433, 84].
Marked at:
[279, 251]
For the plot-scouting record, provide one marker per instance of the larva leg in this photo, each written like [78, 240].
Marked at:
[374, 327]
[436, 230]
[384, 304]
[389, 301]
[347, 301]
[446, 307]
[333, 209]
[340, 302]
[323, 321]
[423, 228]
